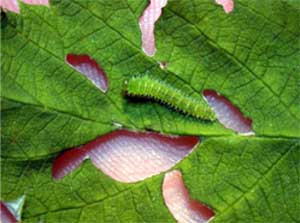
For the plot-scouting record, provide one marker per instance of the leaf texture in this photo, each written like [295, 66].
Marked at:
[250, 56]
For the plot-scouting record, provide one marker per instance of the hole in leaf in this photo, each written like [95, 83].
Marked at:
[147, 21]
[6, 216]
[177, 199]
[228, 114]
[10, 212]
[13, 5]
[67, 162]
[89, 68]
[227, 5]
[10, 5]
[128, 156]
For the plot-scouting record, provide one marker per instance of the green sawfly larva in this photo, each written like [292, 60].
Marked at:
[175, 94]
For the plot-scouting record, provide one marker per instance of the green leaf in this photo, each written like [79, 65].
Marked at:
[251, 56]
[243, 180]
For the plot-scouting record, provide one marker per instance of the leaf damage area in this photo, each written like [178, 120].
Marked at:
[177, 199]
[6, 216]
[90, 69]
[13, 5]
[10, 212]
[228, 114]
[147, 22]
[128, 156]
[228, 5]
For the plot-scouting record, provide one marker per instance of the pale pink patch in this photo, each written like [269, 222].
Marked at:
[89, 68]
[147, 21]
[67, 162]
[227, 5]
[228, 114]
[129, 156]
[36, 2]
[6, 216]
[10, 5]
[177, 199]
[13, 5]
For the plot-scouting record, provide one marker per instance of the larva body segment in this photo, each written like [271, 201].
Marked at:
[177, 95]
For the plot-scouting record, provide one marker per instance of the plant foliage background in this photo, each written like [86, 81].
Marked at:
[251, 56]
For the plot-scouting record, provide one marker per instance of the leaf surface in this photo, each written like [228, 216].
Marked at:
[250, 56]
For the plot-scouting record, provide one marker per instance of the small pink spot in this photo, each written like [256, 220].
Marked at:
[89, 68]
[227, 5]
[129, 156]
[147, 21]
[177, 199]
[36, 2]
[6, 216]
[228, 114]
[10, 5]
[67, 162]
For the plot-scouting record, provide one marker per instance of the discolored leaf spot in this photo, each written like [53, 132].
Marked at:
[128, 156]
[228, 114]
[36, 2]
[89, 68]
[177, 199]
[147, 21]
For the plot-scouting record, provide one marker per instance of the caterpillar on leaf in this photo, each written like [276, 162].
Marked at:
[176, 94]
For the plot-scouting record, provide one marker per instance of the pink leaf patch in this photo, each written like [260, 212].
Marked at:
[36, 2]
[129, 156]
[227, 5]
[6, 216]
[89, 68]
[228, 114]
[10, 5]
[177, 199]
[13, 5]
[147, 21]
